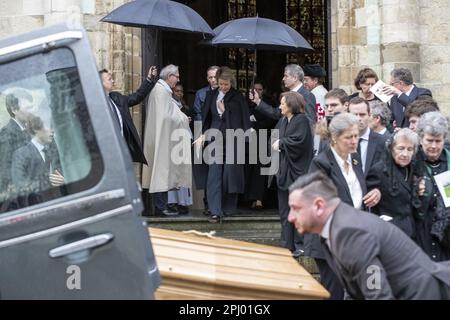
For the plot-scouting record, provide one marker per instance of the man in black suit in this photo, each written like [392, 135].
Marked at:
[14, 134]
[371, 144]
[36, 166]
[372, 259]
[404, 91]
[119, 105]
[293, 80]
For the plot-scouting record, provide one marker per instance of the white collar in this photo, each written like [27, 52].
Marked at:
[327, 228]
[297, 87]
[165, 85]
[410, 90]
[366, 134]
[38, 145]
[383, 131]
[340, 160]
[19, 124]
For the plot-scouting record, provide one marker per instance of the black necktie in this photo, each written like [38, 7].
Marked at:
[359, 146]
[47, 161]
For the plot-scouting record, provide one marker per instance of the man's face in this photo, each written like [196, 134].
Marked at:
[289, 81]
[259, 88]
[45, 135]
[178, 92]
[211, 77]
[413, 121]
[172, 80]
[397, 84]
[25, 110]
[432, 146]
[310, 83]
[334, 106]
[360, 110]
[302, 213]
[374, 122]
[224, 85]
[107, 81]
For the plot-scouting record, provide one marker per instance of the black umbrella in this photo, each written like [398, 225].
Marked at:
[259, 34]
[160, 14]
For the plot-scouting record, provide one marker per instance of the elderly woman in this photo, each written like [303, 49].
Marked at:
[225, 108]
[394, 177]
[342, 164]
[295, 147]
[364, 80]
[433, 218]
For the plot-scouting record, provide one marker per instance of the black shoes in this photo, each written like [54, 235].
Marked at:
[165, 213]
[183, 209]
[297, 253]
[215, 219]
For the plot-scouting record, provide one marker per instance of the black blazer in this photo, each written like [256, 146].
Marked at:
[398, 105]
[11, 139]
[130, 133]
[296, 149]
[375, 150]
[326, 162]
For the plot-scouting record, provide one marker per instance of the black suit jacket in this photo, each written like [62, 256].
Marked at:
[326, 162]
[398, 105]
[310, 108]
[375, 150]
[11, 138]
[373, 259]
[130, 133]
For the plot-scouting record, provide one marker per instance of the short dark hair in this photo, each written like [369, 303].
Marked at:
[403, 74]
[12, 100]
[294, 101]
[363, 75]
[315, 184]
[421, 106]
[358, 100]
[35, 124]
[337, 93]
[102, 72]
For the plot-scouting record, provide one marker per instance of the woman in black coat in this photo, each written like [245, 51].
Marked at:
[225, 109]
[295, 149]
[394, 177]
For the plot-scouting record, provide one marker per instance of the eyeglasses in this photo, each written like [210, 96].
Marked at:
[176, 76]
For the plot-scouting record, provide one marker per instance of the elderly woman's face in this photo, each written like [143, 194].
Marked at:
[285, 110]
[224, 85]
[347, 142]
[432, 146]
[403, 152]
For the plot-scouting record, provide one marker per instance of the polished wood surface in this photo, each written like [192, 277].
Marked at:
[194, 266]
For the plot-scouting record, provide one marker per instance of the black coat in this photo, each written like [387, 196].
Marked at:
[11, 138]
[296, 149]
[236, 116]
[375, 150]
[398, 105]
[130, 133]
[396, 194]
[326, 162]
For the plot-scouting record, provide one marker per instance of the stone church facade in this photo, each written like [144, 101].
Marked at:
[381, 34]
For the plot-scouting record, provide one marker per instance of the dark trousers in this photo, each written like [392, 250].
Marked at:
[290, 238]
[218, 202]
[329, 280]
[160, 200]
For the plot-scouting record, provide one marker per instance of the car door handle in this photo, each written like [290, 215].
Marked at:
[81, 245]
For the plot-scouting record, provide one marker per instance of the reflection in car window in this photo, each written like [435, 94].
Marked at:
[47, 145]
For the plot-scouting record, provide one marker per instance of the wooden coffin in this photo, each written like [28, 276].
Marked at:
[193, 266]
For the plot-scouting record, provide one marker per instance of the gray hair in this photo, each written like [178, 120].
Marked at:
[342, 122]
[167, 71]
[432, 123]
[215, 68]
[294, 70]
[402, 74]
[405, 134]
[381, 110]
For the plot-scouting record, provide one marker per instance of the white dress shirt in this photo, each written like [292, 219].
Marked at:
[40, 147]
[351, 179]
[219, 98]
[297, 87]
[119, 116]
[363, 144]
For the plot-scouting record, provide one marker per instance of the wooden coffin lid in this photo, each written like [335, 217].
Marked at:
[198, 267]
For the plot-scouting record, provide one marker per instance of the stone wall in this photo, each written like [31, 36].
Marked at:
[385, 34]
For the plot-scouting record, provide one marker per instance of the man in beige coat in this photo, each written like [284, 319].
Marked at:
[167, 143]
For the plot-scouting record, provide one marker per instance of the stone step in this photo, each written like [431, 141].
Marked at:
[259, 227]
